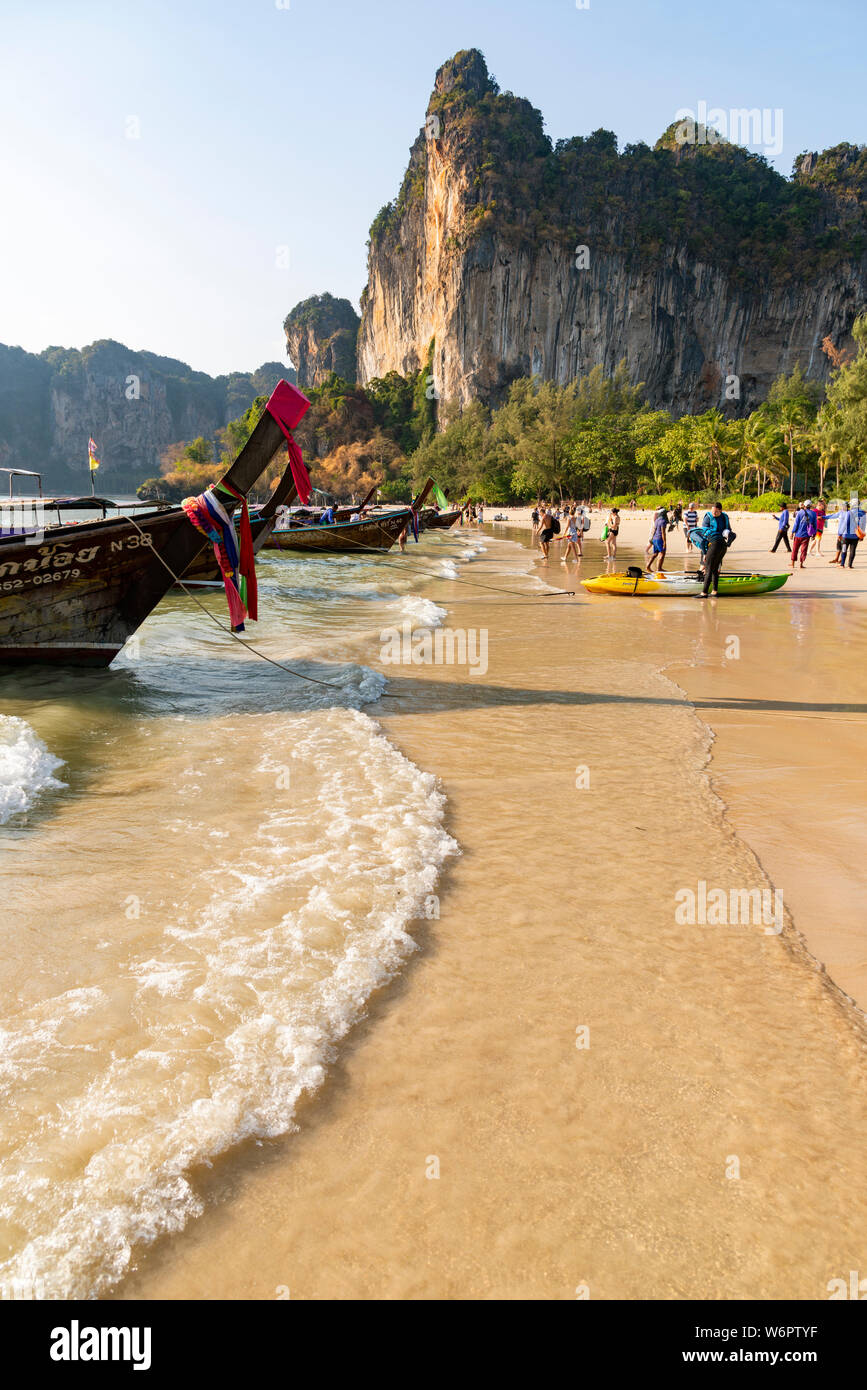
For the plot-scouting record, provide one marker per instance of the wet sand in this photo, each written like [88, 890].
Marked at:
[708, 1142]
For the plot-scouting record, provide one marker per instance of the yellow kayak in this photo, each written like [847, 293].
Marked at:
[681, 585]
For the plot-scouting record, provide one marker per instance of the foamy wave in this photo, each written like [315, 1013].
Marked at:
[238, 1002]
[26, 767]
[422, 612]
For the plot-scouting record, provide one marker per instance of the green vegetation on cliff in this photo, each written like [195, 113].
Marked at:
[595, 437]
[722, 204]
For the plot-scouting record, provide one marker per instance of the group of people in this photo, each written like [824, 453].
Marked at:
[565, 522]
[808, 527]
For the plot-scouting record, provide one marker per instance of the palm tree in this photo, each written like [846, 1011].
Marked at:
[713, 442]
[791, 422]
[758, 444]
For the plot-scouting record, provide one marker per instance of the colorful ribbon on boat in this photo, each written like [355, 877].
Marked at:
[287, 405]
[248, 586]
[209, 516]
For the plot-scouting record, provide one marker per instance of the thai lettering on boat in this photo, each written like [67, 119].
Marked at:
[60, 557]
[8, 568]
[84, 557]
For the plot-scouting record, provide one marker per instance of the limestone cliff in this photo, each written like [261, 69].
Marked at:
[133, 403]
[321, 338]
[696, 263]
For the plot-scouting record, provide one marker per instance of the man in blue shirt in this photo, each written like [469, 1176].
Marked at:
[657, 543]
[716, 527]
[850, 523]
[800, 535]
[782, 530]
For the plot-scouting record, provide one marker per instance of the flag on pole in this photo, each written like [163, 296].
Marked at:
[92, 453]
[440, 497]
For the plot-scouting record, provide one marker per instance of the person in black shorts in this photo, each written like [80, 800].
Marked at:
[546, 533]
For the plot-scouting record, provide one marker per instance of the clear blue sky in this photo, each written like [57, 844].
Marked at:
[264, 127]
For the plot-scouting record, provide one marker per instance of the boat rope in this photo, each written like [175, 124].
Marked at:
[248, 646]
[452, 579]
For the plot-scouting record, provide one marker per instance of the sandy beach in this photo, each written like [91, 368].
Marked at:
[569, 1092]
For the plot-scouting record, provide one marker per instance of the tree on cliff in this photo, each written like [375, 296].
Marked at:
[841, 432]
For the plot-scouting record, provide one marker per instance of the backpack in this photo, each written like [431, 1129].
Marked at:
[555, 523]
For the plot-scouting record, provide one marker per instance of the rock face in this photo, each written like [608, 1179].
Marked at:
[321, 338]
[703, 267]
[133, 403]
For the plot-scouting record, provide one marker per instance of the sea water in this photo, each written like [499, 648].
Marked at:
[209, 864]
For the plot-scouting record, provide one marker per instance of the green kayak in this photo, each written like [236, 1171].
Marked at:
[682, 584]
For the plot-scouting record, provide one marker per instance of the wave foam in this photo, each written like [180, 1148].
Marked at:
[204, 1026]
[26, 767]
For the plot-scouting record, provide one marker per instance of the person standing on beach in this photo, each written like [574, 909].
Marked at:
[800, 536]
[820, 510]
[610, 533]
[690, 521]
[546, 531]
[658, 541]
[782, 520]
[716, 527]
[574, 537]
[850, 529]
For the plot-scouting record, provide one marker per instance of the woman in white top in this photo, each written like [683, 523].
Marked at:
[573, 536]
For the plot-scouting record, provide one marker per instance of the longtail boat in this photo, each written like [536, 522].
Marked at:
[375, 533]
[440, 521]
[75, 595]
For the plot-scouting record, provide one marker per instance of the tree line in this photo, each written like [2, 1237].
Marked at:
[594, 438]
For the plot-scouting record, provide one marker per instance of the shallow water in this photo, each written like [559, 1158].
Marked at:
[239, 860]
[707, 1143]
[208, 865]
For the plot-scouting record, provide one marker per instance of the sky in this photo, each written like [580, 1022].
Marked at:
[178, 175]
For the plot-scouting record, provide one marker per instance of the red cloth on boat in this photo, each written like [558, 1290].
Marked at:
[288, 406]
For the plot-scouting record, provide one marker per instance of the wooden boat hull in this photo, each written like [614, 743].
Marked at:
[441, 521]
[76, 598]
[343, 538]
[74, 595]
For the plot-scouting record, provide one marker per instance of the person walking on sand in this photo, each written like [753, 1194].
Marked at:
[656, 548]
[573, 537]
[690, 521]
[717, 528]
[800, 537]
[782, 520]
[610, 533]
[546, 531]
